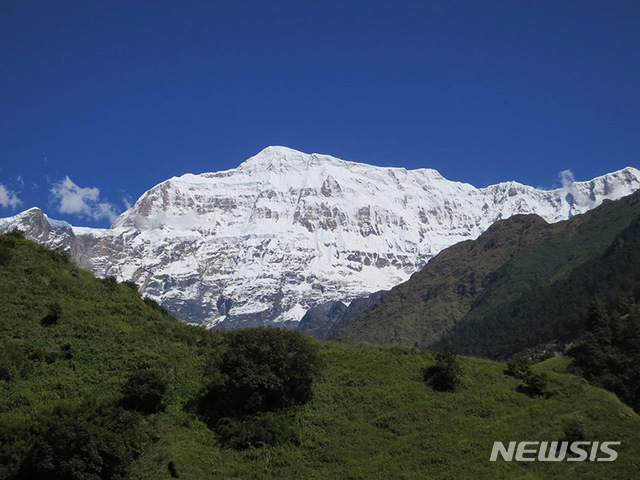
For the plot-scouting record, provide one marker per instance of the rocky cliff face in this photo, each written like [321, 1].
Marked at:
[287, 231]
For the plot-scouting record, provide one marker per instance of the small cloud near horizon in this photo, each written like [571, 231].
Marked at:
[566, 178]
[8, 198]
[84, 202]
[127, 202]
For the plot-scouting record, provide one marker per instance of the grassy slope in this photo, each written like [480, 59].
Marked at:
[371, 417]
[105, 332]
[473, 279]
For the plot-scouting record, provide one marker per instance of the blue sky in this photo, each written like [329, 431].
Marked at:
[101, 100]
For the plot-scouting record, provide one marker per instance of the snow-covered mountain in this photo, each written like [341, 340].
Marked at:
[286, 231]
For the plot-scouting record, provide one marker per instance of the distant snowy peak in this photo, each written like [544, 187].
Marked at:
[283, 159]
[571, 199]
[276, 173]
[286, 231]
[283, 175]
[39, 227]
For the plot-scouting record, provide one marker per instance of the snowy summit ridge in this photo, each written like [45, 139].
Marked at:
[286, 231]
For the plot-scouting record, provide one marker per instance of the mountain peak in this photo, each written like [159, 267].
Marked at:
[274, 156]
[281, 159]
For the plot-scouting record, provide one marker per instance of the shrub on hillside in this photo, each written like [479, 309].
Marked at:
[131, 285]
[5, 255]
[71, 449]
[110, 283]
[12, 359]
[143, 391]
[574, 430]
[262, 372]
[264, 369]
[60, 254]
[519, 367]
[266, 428]
[155, 305]
[54, 312]
[536, 385]
[446, 374]
[14, 234]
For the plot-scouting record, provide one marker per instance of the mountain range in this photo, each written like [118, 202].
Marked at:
[523, 283]
[287, 231]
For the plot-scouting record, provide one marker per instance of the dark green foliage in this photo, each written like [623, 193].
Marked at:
[60, 255]
[131, 285]
[556, 312]
[609, 356]
[13, 357]
[264, 369]
[74, 450]
[18, 359]
[155, 305]
[54, 312]
[267, 428]
[143, 391]
[446, 374]
[5, 254]
[599, 322]
[519, 367]
[13, 235]
[574, 429]
[111, 283]
[263, 372]
[536, 385]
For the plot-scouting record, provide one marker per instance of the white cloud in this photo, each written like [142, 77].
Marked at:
[127, 202]
[566, 178]
[74, 200]
[9, 198]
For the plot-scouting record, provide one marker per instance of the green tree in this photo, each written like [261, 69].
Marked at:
[446, 374]
[74, 450]
[54, 312]
[12, 357]
[610, 354]
[536, 385]
[519, 367]
[143, 391]
[262, 373]
[265, 369]
[599, 322]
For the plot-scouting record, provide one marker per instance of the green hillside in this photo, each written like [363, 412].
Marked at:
[463, 292]
[72, 344]
[555, 312]
[68, 344]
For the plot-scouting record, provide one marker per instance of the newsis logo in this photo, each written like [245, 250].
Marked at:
[555, 451]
